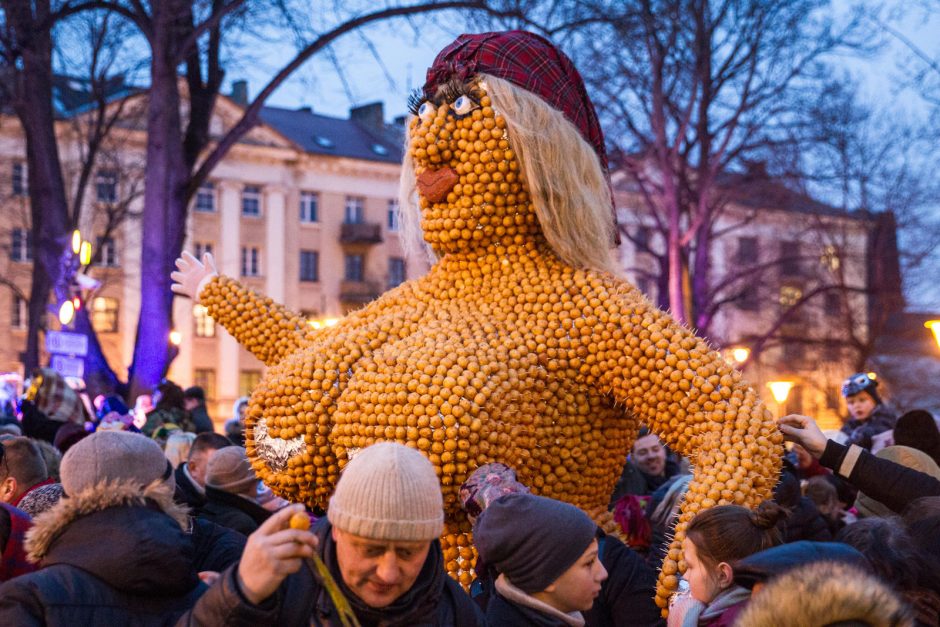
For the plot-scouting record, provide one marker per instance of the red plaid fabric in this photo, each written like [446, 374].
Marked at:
[530, 62]
[13, 561]
[57, 400]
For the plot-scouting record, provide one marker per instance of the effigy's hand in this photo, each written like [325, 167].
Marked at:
[191, 274]
[804, 431]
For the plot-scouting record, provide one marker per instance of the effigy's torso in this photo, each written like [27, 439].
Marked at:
[467, 371]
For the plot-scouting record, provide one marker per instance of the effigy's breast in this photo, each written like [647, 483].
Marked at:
[469, 394]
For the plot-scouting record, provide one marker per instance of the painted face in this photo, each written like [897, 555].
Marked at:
[469, 182]
[578, 586]
[860, 405]
[378, 571]
[649, 455]
[703, 582]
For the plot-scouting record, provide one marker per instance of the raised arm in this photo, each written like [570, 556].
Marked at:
[267, 329]
[686, 393]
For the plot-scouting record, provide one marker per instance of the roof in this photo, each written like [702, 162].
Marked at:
[337, 137]
[72, 96]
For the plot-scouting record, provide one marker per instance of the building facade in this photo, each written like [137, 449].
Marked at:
[303, 209]
[779, 252]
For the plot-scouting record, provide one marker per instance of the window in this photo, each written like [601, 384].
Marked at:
[205, 197]
[393, 215]
[106, 186]
[251, 201]
[21, 245]
[832, 304]
[832, 351]
[251, 264]
[354, 267]
[203, 323]
[19, 182]
[309, 265]
[247, 381]
[104, 314]
[794, 351]
[749, 299]
[747, 251]
[205, 378]
[354, 209]
[107, 252]
[830, 258]
[642, 237]
[790, 295]
[20, 314]
[396, 271]
[201, 248]
[790, 258]
[309, 202]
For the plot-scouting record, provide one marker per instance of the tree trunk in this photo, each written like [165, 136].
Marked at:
[164, 215]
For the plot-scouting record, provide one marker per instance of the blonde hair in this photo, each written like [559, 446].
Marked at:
[564, 176]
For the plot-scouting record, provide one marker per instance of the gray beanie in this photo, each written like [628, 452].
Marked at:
[113, 456]
[388, 492]
[531, 539]
[230, 471]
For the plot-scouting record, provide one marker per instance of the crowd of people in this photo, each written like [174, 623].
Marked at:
[110, 516]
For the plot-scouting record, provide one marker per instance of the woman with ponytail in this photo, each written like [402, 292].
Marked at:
[715, 539]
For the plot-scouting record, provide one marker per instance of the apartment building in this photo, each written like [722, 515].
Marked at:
[303, 209]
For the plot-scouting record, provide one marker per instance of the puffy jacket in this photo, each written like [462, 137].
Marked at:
[861, 432]
[232, 511]
[112, 555]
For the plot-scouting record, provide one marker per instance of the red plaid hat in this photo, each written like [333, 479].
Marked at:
[530, 62]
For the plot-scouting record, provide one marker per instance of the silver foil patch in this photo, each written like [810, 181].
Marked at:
[276, 451]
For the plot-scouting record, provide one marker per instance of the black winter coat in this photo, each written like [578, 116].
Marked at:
[215, 547]
[505, 613]
[232, 511]
[889, 483]
[117, 556]
[186, 491]
[201, 420]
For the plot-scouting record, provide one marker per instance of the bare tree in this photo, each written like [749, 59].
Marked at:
[692, 91]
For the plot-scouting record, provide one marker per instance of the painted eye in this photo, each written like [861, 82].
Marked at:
[426, 111]
[463, 105]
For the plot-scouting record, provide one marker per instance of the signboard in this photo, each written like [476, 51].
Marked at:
[68, 366]
[65, 343]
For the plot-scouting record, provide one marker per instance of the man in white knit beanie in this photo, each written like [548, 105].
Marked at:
[379, 541]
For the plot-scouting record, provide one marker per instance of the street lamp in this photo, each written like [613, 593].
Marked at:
[934, 326]
[780, 391]
[740, 354]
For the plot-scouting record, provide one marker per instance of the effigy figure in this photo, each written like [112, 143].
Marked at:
[521, 345]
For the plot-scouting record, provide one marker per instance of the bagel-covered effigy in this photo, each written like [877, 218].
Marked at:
[522, 344]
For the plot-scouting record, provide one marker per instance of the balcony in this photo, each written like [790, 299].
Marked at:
[360, 233]
[359, 292]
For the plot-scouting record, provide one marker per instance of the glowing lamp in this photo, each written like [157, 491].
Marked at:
[176, 338]
[780, 390]
[84, 255]
[76, 241]
[740, 354]
[66, 312]
[934, 326]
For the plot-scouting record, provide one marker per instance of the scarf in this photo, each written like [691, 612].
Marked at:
[415, 607]
[727, 598]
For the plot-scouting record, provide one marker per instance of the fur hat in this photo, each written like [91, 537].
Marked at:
[825, 593]
[531, 539]
[109, 456]
[388, 492]
[906, 456]
[230, 471]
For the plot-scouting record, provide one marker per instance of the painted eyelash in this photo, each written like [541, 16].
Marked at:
[415, 100]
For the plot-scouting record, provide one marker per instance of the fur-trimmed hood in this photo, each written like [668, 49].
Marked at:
[823, 593]
[134, 539]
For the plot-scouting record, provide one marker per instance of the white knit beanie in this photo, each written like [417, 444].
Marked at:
[388, 492]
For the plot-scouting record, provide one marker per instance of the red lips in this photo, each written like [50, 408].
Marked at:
[436, 184]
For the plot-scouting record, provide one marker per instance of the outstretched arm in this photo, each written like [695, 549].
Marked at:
[686, 393]
[269, 330]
